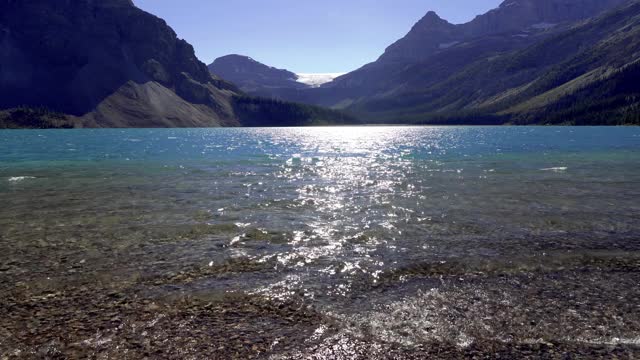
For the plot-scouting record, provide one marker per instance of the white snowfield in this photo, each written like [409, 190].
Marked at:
[315, 80]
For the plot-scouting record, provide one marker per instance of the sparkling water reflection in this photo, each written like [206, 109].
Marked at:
[325, 214]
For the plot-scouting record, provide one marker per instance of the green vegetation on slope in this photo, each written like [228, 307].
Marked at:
[584, 75]
[34, 118]
[254, 111]
[614, 100]
[251, 111]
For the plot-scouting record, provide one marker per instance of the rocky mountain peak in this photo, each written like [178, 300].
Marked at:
[107, 63]
[432, 34]
[426, 36]
[74, 56]
[431, 18]
[514, 15]
[431, 21]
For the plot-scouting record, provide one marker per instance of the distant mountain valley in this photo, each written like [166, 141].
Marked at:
[259, 79]
[525, 62]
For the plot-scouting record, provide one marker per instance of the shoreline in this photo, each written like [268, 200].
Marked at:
[144, 317]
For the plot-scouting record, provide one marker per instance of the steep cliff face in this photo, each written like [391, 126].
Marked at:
[107, 62]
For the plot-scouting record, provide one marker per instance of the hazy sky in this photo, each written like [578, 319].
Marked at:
[307, 36]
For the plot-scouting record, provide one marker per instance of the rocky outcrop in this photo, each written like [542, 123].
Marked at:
[105, 61]
[151, 104]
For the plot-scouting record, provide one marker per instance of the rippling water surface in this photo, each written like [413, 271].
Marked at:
[391, 231]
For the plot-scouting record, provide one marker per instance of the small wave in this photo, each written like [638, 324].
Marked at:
[556, 169]
[19, 178]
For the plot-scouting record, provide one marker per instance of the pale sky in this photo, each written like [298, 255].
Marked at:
[304, 36]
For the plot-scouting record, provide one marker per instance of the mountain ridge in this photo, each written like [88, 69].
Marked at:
[252, 76]
[435, 50]
[89, 63]
[456, 75]
[109, 64]
[512, 15]
[539, 83]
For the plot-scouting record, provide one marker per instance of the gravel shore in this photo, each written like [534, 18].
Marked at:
[564, 308]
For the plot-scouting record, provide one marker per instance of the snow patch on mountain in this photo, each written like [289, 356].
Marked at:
[315, 80]
[448, 45]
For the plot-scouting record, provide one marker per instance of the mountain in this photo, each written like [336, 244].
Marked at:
[252, 76]
[109, 64]
[586, 74]
[257, 79]
[432, 34]
[442, 72]
[89, 63]
[442, 48]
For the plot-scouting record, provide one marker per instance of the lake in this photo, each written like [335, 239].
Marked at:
[340, 241]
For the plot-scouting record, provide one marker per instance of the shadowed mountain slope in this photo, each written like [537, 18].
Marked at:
[586, 74]
[494, 69]
[106, 64]
[252, 76]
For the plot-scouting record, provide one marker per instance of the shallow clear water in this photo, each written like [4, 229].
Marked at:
[326, 214]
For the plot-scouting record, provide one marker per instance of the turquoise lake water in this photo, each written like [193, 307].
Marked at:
[325, 214]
